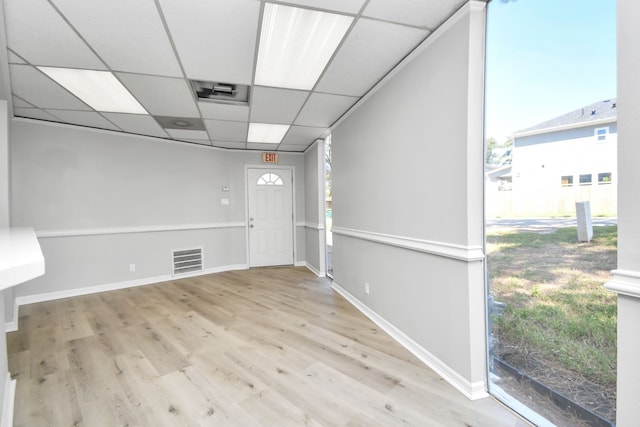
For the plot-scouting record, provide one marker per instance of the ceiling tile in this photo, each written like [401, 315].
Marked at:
[422, 13]
[36, 88]
[36, 32]
[188, 134]
[323, 109]
[224, 144]
[215, 39]
[20, 103]
[137, 123]
[298, 148]
[263, 147]
[83, 118]
[369, 52]
[138, 45]
[15, 59]
[213, 110]
[34, 113]
[161, 96]
[273, 105]
[221, 130]
[197, 141]
[301, 135]
[345, 6]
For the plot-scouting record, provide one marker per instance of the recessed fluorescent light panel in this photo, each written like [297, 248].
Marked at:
[266, 133]
[296, 44]
[98, 89]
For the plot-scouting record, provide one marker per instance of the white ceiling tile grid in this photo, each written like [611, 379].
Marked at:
[37, 33]
[373, 48]
[84, 118]
[215, 38]
[154, 48]
[161, 96]
[137, 45]
[273, 105]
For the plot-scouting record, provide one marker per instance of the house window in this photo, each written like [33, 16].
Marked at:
[604, 178]
[601, 134]
[270, 179]
[585, 179]
[567, 180]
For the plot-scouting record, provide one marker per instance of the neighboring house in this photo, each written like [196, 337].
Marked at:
[498, 186]
[565, 160]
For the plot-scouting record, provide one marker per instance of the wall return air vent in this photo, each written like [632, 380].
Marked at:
[186, 261]
[225, 93]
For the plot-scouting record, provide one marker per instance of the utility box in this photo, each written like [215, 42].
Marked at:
[583, 216]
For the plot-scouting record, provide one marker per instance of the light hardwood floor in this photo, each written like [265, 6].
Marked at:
[261, 347]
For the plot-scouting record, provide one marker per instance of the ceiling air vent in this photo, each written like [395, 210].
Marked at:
[188, 123]
[225, 93]
[186, 261]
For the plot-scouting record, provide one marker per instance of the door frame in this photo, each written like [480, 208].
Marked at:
[294, 225]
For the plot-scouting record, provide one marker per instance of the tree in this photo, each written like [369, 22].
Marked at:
[327, 166]
[498, 154]
[491, 157]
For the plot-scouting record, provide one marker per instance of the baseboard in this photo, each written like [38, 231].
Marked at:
[12, 325]
[473, 391]
[49, 296]
[314, 270]
[309, 267]
[9, 400]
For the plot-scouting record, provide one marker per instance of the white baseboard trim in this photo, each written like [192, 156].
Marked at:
[12, 325]
[473, 391]
[310, 268]
[314, 270]
[49, 296]
[9, 401]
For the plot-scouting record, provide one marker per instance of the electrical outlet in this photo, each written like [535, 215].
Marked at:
[367, 289]
[132, 267]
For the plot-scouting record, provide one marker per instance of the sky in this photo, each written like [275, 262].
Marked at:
[546, 58]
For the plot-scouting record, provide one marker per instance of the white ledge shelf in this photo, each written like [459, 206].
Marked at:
[625, 282]
[20, 256]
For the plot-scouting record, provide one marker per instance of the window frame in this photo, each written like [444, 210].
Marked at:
[267, 178]
[605, 135]
[581, 182]
[602, 181]
[569, 182]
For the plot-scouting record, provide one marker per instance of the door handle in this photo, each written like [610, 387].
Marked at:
[250, 225]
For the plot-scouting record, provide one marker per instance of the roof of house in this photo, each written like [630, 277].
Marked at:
[589, 113]
[500, 171]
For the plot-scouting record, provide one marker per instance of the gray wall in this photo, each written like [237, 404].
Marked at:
[407, 171]
[4, 165]
[76, 186]
[4, 222]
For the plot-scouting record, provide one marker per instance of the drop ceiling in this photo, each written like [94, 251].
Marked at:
[155, 47]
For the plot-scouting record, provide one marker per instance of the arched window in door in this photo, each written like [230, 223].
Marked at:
[270, 178]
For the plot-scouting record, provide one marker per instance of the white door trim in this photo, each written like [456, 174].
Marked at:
[246, 205]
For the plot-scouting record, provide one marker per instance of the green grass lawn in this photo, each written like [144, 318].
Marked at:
[557, 307]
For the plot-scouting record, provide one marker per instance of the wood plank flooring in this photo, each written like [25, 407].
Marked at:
[261, 347]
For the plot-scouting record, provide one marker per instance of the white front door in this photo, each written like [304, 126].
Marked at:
[270, 194]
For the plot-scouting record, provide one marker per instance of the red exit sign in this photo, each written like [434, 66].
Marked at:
[269, 157]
